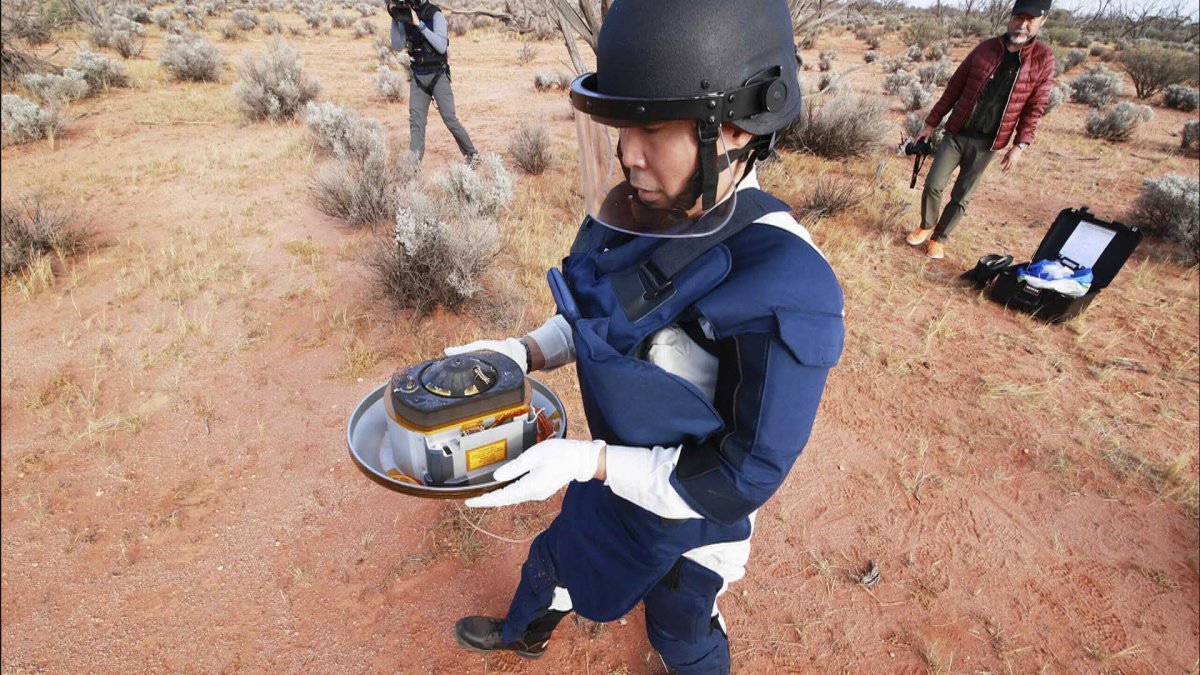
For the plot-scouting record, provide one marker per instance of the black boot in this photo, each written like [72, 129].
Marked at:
[482, 634]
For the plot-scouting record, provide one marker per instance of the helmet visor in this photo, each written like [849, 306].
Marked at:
[648, 178]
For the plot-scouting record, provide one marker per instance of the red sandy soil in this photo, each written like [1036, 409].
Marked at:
[177, 494]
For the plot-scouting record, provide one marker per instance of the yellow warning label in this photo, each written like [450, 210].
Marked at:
[487, 454]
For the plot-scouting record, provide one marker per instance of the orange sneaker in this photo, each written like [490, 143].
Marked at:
[935, 250]
[919, 236]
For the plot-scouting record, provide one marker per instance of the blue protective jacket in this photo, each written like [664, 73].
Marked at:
[767, 304]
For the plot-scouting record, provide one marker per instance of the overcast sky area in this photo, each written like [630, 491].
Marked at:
[1089, 5]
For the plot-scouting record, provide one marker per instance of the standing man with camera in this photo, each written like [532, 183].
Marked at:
[998, 93]
[421, 27]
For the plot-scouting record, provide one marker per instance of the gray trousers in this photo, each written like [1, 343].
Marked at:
[418, 114]
[971, 156]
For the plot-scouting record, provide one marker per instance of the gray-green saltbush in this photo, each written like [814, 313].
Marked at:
[342, 132]
[57, 90]
[1097, 87]
[557, 80]
[871, 56]
[445, 244]
[101, 72]
[244, 19]
[1119, 122]
[1181, 97]
[1170, 206]
[192, 59]
[1075, 57]
[899, 81]
[914, 122]
[274, 87]
[363, 28]
[1057, 95]
[936, 74]
[22, 120]
[1190, 134]
[391, 85]
[914, 97]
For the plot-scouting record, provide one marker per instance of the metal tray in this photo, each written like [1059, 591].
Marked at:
[366, 437]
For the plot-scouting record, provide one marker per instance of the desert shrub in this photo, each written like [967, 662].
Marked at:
[527, 53]
[830, 196]
[192, 59]
[1062, 35]
[1181, 97]
[971, 25]
[135, 13]
[1170, 207]
[899, 81]
[914, 54]
[896, 63]
[1119, 122]
[1074, 58]
[119, 34]
[363, 28]
[341, 20]
[937, 51]
[825, 60]
[1097, 49]
[230, 31]
[559, 79]
[244, 19]
[162, 18]
[342, 132]
[1057, 95]
[458, 25]
[366, 8]
[100, 72]
[313, 19]
[27, 23]
[270, 25]
[871, 56]
[1190, 134]
[1097, 87]
[529, 148]
[922, 33]
[827, 81]
[914, 122]
[31, 227]
[914, 97]
[845, 125]
[295, 31]
[24, 121]
[391, 85]
[57, 90]
[274, 87]
[362, 193]
[439, 257]
[483, 189]
[1153, 68]
[936, 74]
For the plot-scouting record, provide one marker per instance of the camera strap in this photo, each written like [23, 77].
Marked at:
[918, 161]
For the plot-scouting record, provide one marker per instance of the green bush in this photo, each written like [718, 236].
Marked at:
[1062, 35]
[1153, 68]
[922, 33]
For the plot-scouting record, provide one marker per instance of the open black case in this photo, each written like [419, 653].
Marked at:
[1081, 238]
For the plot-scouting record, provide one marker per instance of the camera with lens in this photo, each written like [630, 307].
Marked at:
[400, 9]
[919, 147]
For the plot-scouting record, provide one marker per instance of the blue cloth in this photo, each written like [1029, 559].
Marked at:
[1054, 275]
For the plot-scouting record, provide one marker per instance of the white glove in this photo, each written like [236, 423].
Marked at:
[510, 347]
[551, 464]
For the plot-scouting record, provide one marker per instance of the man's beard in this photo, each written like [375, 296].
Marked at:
[1018, 38]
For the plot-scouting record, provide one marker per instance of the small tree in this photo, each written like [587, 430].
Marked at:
[1153, 68]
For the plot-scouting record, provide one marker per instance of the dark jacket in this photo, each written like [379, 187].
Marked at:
[1026, 103]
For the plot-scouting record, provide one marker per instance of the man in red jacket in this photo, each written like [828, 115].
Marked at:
[1000, 88]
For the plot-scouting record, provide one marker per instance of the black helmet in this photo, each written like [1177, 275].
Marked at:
[712, 61]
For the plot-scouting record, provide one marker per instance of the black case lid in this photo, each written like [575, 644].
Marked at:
[1082, 234]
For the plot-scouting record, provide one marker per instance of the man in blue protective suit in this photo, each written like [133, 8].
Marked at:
[702, 322]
